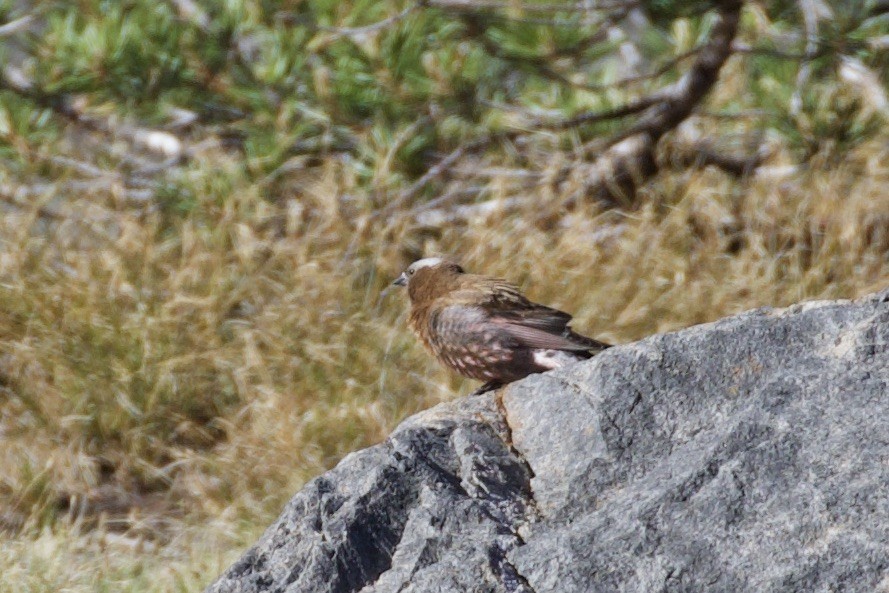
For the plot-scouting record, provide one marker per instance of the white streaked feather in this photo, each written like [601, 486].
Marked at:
[554, 359]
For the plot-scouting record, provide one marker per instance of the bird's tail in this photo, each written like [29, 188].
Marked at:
[591, 346]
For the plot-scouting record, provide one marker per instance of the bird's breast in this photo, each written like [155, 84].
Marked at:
[463, 340]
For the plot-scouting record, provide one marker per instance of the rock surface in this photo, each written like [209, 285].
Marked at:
[750, 454]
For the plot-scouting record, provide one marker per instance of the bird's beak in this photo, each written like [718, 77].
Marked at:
[401, 280]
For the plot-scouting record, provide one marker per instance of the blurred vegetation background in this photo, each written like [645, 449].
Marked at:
[203, 204]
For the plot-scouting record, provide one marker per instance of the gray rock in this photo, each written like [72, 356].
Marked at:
[750, 454]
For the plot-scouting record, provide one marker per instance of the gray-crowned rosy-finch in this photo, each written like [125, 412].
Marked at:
[484, 328]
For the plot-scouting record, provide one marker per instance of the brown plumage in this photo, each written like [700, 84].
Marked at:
[484, 328]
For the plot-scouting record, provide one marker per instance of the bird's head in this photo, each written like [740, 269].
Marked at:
[428, 277]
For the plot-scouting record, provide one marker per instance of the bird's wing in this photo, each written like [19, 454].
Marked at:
[534, 337]
[507, 312]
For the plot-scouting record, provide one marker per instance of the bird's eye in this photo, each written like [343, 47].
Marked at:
[410, 272]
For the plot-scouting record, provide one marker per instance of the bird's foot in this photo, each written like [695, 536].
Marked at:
[489, 386]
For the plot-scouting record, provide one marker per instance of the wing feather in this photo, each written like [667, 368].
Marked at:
[500, 309]
[533, 337]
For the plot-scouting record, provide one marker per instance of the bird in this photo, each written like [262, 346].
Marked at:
[484, 328]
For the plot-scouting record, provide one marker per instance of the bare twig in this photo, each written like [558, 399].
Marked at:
[82, 167]
[16, 26]
[14, 197]
[448, 198]
[744, 48]
[656, 73]
[591, 117]
[466, 212]
[440, 168]
[498, 172]
[703, 153]
[532, 8]
[190, 11]
[372, 28]
[744, 114]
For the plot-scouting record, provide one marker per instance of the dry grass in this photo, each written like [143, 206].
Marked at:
[202, 368]
[70, 558]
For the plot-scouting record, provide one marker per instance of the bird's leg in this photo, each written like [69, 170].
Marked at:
[489, 386]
